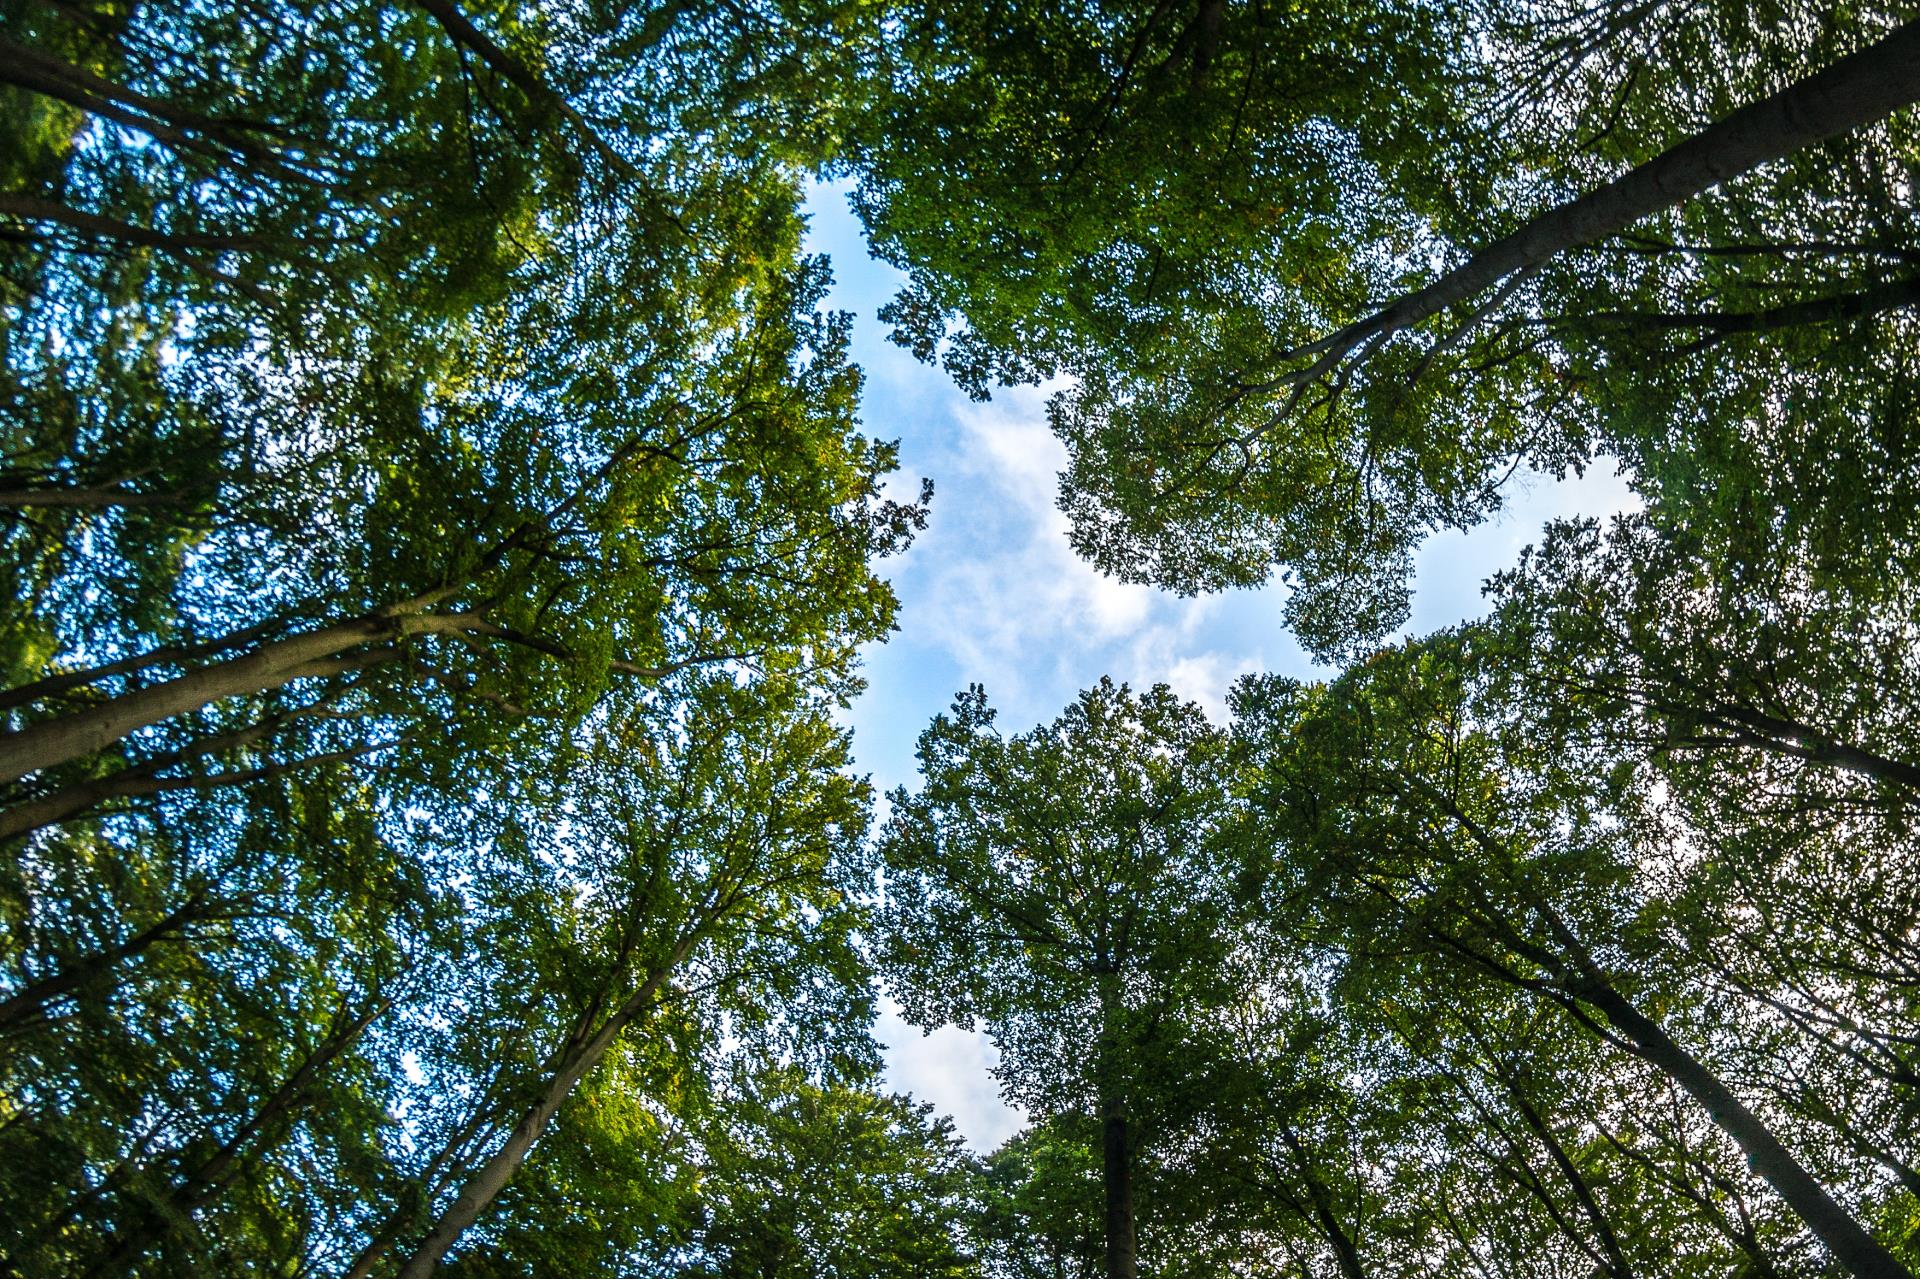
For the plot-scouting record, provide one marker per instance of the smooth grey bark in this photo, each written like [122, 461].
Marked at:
[1581, 980]
[269, 666]
[1845, 1238]
[576, 1059]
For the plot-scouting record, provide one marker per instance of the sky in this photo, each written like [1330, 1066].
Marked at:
[992, 594]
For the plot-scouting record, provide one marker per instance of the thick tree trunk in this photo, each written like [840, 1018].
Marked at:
[271, 665]
[54, 685]
[1116, 1146]
[1860, 88]
[575, 1061]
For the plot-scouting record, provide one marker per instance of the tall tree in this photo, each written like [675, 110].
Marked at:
[1449, 848]
[1363, 343]
[1062, 887]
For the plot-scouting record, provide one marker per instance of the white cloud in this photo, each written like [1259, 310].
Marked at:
[948, 1067]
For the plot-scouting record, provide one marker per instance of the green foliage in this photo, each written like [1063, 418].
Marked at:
[1195, 212]
[437, 536]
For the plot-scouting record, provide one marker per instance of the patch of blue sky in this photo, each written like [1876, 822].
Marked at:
[992, 594]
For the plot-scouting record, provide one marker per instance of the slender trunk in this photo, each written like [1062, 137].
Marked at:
[1117, 1176]
[382, 1238]
[1897, 296]
[89, 498]
[1346, 1251]
[1785, 736]
[206, 1181]
[1860, 88]
[1585, 981]
[271, 665]
[160, 119]
[462, 32]
[576, 1060]
[29, 209]
[1602, 1226]
[28, 1001]
[65, 805]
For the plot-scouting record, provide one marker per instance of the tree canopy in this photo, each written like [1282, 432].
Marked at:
[439, 538]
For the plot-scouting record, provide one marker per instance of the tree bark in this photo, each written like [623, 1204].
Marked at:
[462, 31]
[1346, 1251]
[1860, 88]
[29, 209]
[51, 685]
[271, 665]
[1596, 1216]
[1790, 737]
[89, 498]
[1899, 295]
[1835, 1227]
[1116, 1148]
[1582, 980]
[575, 1061]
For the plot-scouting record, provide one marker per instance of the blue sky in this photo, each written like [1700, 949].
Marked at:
[992, 594]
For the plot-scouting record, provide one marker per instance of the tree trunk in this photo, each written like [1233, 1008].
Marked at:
[200, 1186]
[1616, 1263]
[1346, 1251]
[135, 783]
[29, 209]
[1584, 980]
[53, 685]
[1835, 1227]
[1789, 737]
[28, 1001]
[448, 1162]
[99, 498]
[1117, 1176]
[1899, 295]
[1860, 88]
[575, 1061]
[314, 653]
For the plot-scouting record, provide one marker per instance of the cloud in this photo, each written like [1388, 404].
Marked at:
[948, 1067]
[996, 584]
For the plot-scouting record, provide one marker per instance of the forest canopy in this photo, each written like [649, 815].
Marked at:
[441, 537]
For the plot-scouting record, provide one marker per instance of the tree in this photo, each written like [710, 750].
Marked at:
[835, 1181]
[1386, 312]
[401, 406]
[1452, 850]
[1062, 888]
